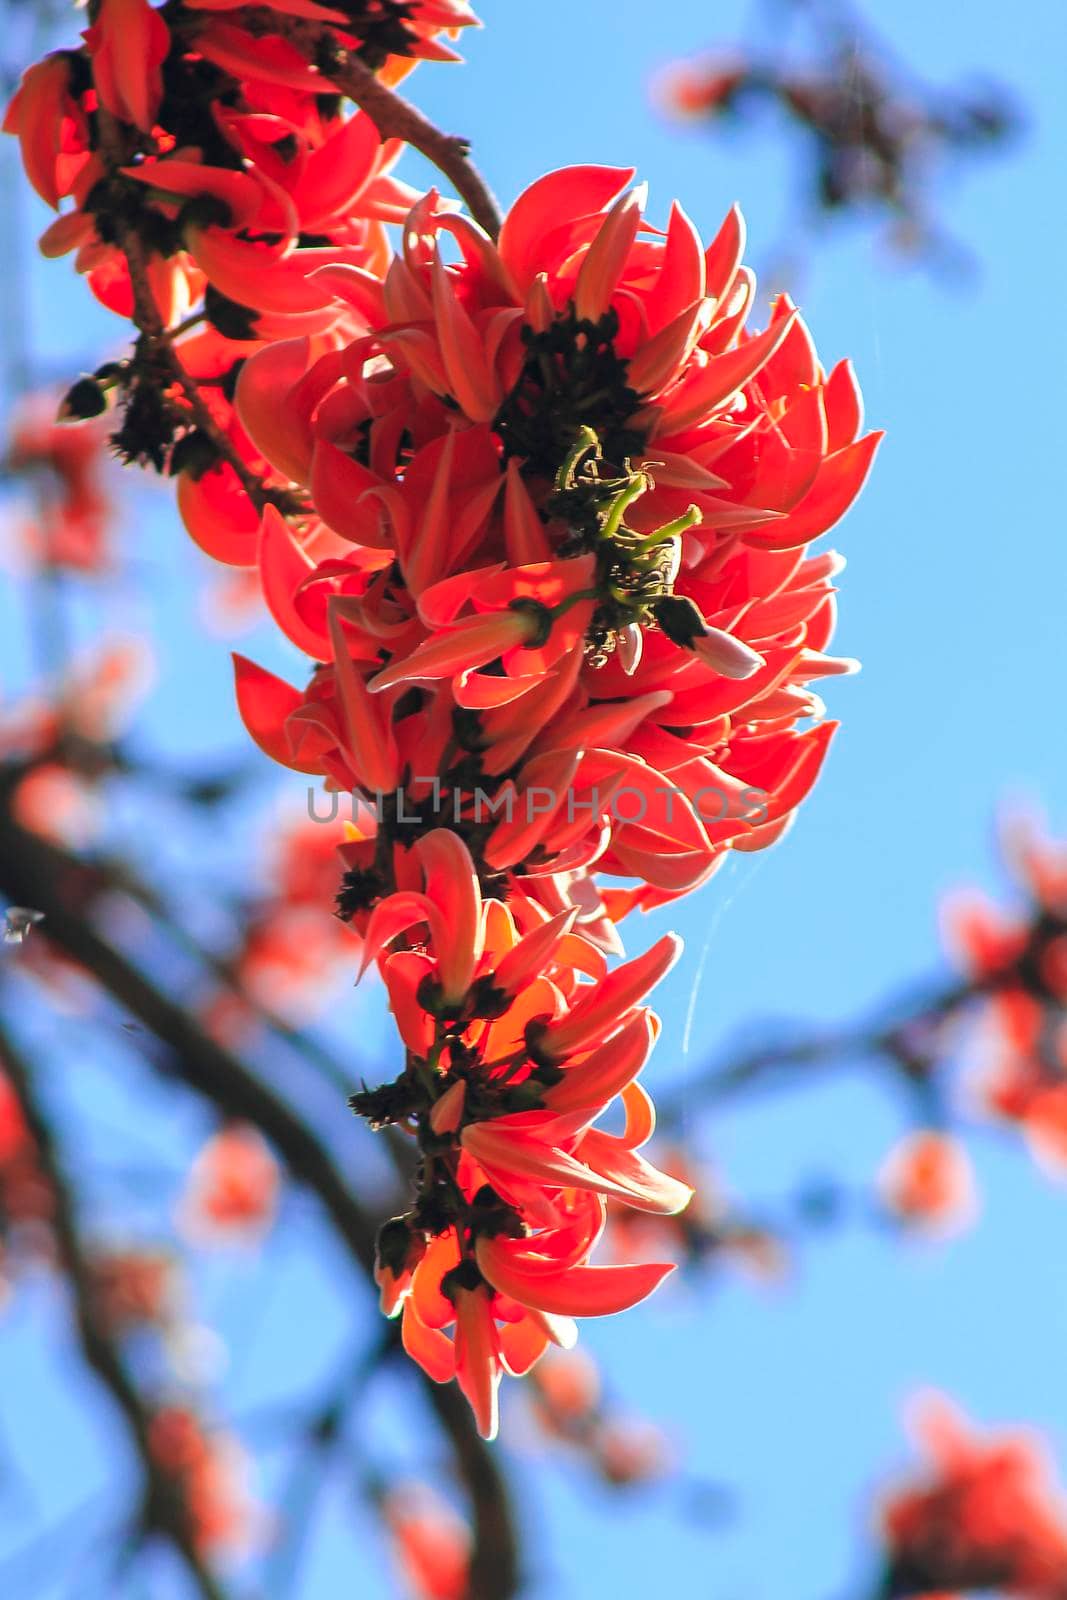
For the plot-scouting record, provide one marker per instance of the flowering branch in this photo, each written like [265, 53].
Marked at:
[872, 132]
[546, 560]
[164, 1506]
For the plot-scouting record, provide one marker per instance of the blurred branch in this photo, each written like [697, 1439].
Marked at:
[224, 970]
[874, 135]
[899, 1038]
[322, 1433]
[36, 873]
[164, 1506]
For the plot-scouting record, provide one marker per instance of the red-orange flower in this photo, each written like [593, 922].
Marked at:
[984, 1515]
[1017, 963]
[233, 1187]
[432, 1542]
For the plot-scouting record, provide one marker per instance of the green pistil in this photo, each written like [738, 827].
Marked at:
[634, 571]
[585, 441]
[621, 504]
[671, 530]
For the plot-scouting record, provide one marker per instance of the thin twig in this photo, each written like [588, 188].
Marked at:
[121, 877]
[224, 969]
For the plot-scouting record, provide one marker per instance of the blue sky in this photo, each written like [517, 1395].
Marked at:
[954, 599]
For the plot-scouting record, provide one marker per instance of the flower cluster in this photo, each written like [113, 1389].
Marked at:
[565, 628]
[538, 509]
[986, 1515]
[560, 584]
[511, 1059]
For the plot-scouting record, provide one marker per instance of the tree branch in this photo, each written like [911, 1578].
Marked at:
[164, 1506]
[895, 1042]
[33, 872]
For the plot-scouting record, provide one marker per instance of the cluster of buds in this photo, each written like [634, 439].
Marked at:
[537, 507]
[986, 1515]
[1016, 965]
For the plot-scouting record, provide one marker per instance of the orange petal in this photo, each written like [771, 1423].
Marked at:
[264, 703]
[576, 1292]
